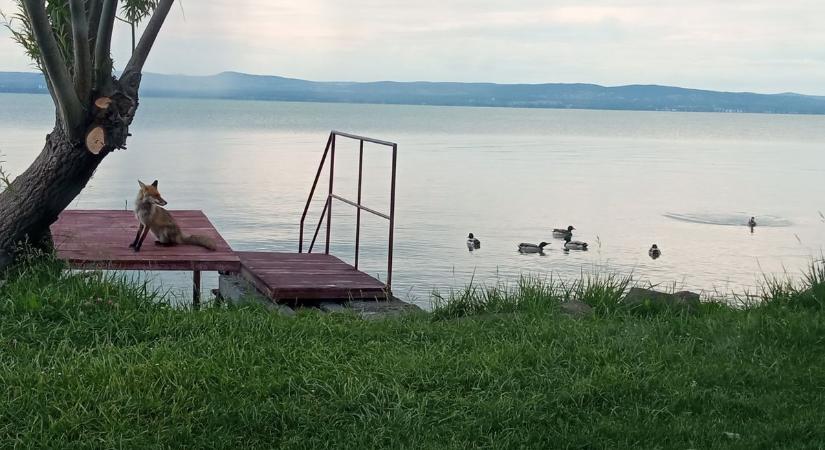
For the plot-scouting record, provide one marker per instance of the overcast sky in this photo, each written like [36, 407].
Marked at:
[737, 45]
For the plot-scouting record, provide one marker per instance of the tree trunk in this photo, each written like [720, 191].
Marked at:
[94, 111]
[34, 199]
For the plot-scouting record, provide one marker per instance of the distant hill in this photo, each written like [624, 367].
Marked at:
[233, 85]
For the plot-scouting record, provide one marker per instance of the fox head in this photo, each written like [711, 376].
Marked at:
[150, 194]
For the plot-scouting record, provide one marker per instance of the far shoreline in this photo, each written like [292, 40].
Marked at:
[579, 96]
[488, 107]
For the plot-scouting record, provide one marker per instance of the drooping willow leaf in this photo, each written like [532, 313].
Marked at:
[136, 10]
[18, 25]
[61, 21]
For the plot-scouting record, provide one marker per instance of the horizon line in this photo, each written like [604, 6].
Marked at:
[786, 92]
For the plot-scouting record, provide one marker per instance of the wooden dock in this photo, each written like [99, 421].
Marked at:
[307, 276]
[99, 239]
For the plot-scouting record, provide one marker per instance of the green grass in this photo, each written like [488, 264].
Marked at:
[92, 361]
[602, 292]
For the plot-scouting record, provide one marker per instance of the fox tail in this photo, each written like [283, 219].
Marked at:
[201, 241]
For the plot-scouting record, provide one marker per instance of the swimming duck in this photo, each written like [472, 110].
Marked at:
[654, 251]
[574, 245]
[532, 248]
[473, 243]
[562, 233]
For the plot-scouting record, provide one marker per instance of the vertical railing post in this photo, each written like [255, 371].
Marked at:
[392, 218]
[358, 210]
[196, 289]
[311, 193]
[329, 194]
[320, 222]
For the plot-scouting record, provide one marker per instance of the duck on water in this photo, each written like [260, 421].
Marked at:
[562, 233]
[574, 245]
[473, 243]
[532, 248]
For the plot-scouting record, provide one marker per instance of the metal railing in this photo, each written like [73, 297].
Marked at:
[327, 211]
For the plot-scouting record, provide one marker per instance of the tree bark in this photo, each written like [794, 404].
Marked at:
[34, 199]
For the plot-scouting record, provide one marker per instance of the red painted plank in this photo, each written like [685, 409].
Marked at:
[142, 265]
[339, 274]
[142, 257]
[319, 279]
[113, 229]
[298, 257]
[302, 273]
[148, 249]
[298, 266]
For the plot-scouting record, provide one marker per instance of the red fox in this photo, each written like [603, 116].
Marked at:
[151, 216]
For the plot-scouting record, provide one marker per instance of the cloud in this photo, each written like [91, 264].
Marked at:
[757, 45]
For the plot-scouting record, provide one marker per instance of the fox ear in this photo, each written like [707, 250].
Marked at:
[155, 183]
[141, 184]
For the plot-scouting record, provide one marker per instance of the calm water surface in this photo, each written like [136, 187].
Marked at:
[625, 180]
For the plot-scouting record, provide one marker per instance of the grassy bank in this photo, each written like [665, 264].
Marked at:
[90, 361]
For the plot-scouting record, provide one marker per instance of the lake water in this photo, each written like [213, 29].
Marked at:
[625, 180]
